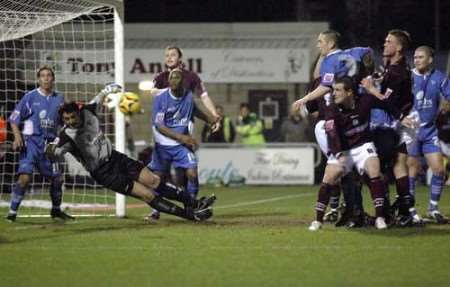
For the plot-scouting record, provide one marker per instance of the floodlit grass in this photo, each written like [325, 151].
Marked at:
[257, 237]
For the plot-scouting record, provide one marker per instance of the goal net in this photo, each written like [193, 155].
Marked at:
[77, 39]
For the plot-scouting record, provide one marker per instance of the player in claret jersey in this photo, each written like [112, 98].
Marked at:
[191, 81]
[353, 147]
[394, 87]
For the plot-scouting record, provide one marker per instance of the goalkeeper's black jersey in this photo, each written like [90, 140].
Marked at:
[87, 143]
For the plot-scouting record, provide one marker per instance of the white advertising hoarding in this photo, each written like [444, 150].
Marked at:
[81, 66]
[265, 166]
[213, 65]
[226, 65]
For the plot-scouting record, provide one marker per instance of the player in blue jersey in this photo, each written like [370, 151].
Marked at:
[355, 63]
[37, 111]
[173, 116]
[428, 88]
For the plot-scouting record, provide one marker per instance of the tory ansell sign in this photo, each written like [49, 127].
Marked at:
[213, 65]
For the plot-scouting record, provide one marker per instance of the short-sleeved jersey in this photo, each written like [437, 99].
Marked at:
[428, 89]
[88, 143]
[342, 63]
[319, 104]
[174, 113]
[191, 81]
[38, 113]
[396, 86]
[352, 125]
[443, 126]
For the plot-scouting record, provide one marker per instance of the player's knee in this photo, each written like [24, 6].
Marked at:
[332, 178]
[149, 179]
[24, 180]
[139, 191]
[438, 171]
[191, 175]
[148, 196]
[156, 180]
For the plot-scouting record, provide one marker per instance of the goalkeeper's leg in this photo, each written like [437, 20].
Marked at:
[171, 191]
[157, 202]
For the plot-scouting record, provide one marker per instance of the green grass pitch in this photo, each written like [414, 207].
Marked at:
[257, 237]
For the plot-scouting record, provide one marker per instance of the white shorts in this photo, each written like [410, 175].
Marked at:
[445, 147]
[321, 136]
[356, 157]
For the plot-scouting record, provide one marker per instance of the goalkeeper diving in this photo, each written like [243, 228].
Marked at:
[83, 138]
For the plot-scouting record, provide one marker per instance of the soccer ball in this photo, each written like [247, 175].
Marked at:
[129, 104]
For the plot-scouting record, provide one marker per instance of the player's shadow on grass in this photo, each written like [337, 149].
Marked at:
[250, 214]
[406, 232]
[55, 230]
[259, 219]
[243, 219]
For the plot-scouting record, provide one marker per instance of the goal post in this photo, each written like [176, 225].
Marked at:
[83, 41]
[119, 117]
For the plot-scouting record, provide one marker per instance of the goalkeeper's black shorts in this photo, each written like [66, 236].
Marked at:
[119, 173]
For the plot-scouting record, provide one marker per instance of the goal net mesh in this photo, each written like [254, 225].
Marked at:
[76, 38]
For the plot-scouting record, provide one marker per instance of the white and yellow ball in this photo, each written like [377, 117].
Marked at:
[129, 103]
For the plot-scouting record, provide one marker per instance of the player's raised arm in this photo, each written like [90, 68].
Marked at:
[111, 88]
[57, 148]
[318, 92]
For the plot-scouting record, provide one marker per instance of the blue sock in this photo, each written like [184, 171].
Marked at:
[437, 184]
[56, 194]
[192, 187]
[16, 198]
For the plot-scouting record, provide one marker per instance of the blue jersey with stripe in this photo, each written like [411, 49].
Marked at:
[174, 113]
[427, 90]
[38, 113]
[342, 63]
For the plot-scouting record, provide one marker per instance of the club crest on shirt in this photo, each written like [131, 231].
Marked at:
[328, 78]
[42, 114]
[387, 93]
[420, 95]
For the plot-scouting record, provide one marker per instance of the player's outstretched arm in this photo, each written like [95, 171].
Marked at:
[209, 105]
[111, 88]
[318, 92]
[368, 84]
[56, 149]
[207, 117]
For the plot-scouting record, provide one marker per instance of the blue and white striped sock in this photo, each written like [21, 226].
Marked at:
[436, 187]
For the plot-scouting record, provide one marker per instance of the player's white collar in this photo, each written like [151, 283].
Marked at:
[43, 94]
[71, 132]
[420, 74]
[173, 97]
